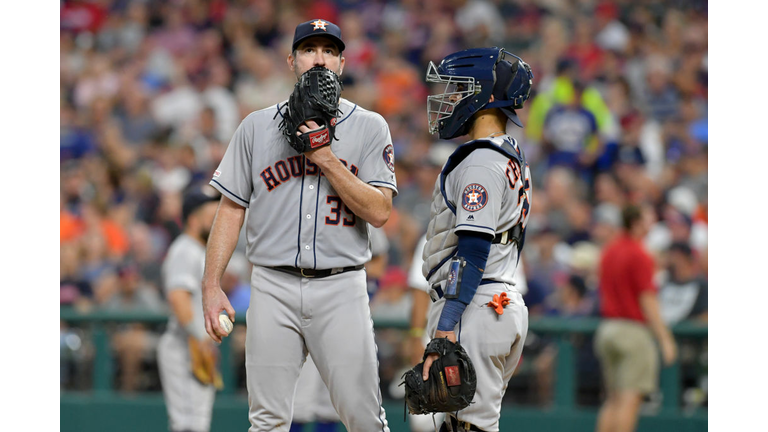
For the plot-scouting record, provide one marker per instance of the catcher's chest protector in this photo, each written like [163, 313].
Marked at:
[441, 239]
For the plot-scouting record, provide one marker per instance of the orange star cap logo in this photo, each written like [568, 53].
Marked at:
[319, 24]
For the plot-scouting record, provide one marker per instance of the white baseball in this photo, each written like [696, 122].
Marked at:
[226, 324]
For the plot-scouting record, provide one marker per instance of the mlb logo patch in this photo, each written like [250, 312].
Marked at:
[474, 197]
[216, 173]
[389, 157]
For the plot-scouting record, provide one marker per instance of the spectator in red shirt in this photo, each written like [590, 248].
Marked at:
[631, 315]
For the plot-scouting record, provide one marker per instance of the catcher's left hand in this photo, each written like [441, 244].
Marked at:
[315, 98]
[452, 380]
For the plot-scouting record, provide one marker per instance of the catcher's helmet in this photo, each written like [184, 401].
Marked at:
[471, 77]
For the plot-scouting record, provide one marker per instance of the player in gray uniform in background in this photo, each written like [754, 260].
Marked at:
[476, 231]
[307, 236]
[189, 403]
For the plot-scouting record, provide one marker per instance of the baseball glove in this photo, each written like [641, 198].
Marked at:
[203, 363]
[452, 381]
[315, 97]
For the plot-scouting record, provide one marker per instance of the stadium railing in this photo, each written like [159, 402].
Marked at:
[564, 411]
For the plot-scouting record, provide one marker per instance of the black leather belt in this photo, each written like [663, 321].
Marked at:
[312, 273]
[511, 235]
[436, 293]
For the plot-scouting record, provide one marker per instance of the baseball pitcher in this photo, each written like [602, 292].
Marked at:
[314, 172]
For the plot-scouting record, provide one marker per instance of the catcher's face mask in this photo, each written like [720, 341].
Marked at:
[479, 74]
[440, 106]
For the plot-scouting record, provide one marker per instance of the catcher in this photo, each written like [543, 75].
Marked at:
[479, 212]
[187, 357]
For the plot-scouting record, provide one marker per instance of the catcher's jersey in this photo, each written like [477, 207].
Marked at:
[489, 196]
[295, 217]
[183, 269]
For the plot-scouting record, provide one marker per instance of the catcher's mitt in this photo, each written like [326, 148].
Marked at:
[315, 97]
[452, 381]
[203, 363]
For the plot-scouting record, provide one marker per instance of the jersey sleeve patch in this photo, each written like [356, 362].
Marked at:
[389, 157]
[474, 198]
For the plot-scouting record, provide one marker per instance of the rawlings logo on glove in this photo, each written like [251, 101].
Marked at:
[319, 139]
[315, 97]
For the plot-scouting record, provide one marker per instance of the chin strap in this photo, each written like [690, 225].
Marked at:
[505, 103]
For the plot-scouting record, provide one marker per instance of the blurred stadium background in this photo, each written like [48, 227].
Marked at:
[151, 92]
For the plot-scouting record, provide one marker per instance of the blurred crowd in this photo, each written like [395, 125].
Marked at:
[151, 92]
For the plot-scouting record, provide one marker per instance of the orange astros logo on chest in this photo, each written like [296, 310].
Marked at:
[474, 197]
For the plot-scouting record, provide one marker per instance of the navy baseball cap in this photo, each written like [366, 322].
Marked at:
[195, 198]
[318, 27]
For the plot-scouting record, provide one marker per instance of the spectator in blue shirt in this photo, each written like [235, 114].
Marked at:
[571, 134]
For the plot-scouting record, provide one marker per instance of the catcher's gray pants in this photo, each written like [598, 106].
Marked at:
[189, 403]
[290, 316]
[494, 343]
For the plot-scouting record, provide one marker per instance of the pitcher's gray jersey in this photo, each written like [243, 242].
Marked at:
[489, 196]
[300, 220]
